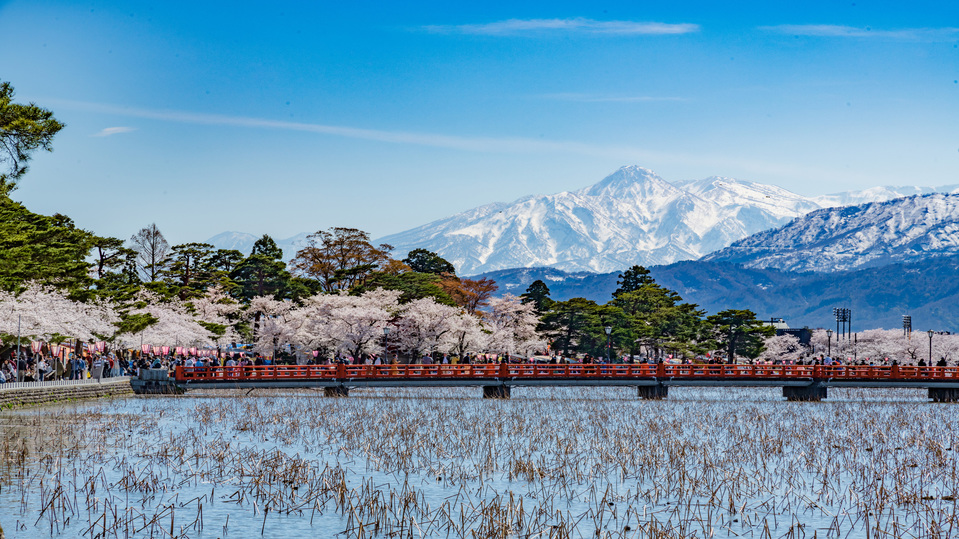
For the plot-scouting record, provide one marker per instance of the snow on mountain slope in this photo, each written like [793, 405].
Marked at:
[630, 217]
[868, 235]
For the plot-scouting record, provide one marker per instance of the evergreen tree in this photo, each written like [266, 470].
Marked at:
[46, 249]
[632, 279]
[423, 261]
[537, 293]
[264, 273]
[23, 129]
[576, 325]
[188, 269]
[657, 319]
[267, 247]
[738, 332]
[412, 284]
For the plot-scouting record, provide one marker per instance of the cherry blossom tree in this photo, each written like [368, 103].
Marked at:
[512, 326]
[351, 325]
[466, 335]
[781, 347]
[423, 325]
[46, 313]
[175, 324]
[278, 323]
[213, 310]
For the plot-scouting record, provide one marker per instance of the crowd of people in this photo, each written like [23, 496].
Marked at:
[30, 367]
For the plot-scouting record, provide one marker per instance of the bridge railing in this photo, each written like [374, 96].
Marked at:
[533, 371]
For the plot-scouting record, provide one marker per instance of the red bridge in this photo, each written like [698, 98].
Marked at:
[799, 382]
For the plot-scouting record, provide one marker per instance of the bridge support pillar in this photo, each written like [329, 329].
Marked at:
[496, 392]
[336, 391]
[656, 392]
[814, 392]
[944, 394]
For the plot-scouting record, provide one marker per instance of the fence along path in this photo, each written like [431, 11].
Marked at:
[799, 382]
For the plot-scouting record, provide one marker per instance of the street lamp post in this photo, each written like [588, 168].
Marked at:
[386, 345]
[829, 342]
[609, 341]
[930, 347]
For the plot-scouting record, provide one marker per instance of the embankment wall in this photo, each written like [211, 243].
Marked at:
[15, 397]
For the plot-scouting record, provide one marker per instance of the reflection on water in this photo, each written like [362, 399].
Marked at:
[574, 462]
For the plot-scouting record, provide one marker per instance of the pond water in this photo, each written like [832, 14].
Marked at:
[549, 462]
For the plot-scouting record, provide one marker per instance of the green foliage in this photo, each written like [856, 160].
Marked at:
[50, 250]
[216, 330]
[632, 279]
[264, 273]
[412, 284]
[647, 315]
[188, 269]
[577, 325]
[658, 320]
[135, 323]
[423, 261]
[220, 265]
[738, 332]
[538, 294]
[23, 129]
[267, 247]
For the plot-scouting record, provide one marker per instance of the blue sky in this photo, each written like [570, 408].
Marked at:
[380, 116]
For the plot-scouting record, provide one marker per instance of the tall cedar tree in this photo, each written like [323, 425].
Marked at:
[538, 293]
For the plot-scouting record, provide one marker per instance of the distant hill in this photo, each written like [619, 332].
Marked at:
[878, 297]
[562, 285]
[912, 229]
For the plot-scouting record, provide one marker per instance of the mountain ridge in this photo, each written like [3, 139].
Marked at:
[631, 216]
[911, 229]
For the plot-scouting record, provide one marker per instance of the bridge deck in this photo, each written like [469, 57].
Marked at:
[568, 375]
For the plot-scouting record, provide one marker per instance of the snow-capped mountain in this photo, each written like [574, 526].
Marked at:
[240, 241]
[630, 217]
[909, 229]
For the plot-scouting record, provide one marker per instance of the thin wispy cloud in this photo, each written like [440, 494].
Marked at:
[106, 132]
[833, 30]
[507, 145]
[476, 144]
[597, 98]
[580, 25]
